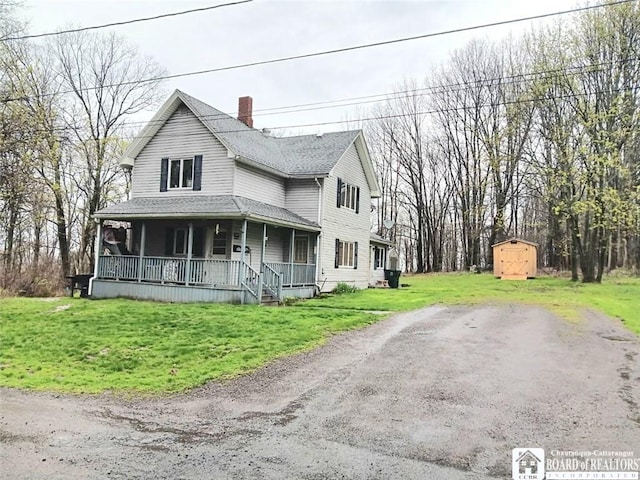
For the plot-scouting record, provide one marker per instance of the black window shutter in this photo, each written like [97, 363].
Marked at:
[164, 174]
[355, 255]
[168, 241]
[197, 172]
[358, 200]
[339, 192]
[337, 262]
[197, 249]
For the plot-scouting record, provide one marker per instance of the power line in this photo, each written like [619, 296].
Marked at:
[400, 115]
[344, 49]
[419, 92]
[127, 22]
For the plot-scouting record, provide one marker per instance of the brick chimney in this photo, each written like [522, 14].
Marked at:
[245, 111]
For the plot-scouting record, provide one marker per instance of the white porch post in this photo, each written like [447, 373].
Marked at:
[264, 247]
[317, 272]
[97, 253]
[291, 253]
[143, 239]
[262, 257]
[187, 269]
[243, 246]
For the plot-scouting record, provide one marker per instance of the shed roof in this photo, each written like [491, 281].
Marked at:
[511, 240]
[375, 238]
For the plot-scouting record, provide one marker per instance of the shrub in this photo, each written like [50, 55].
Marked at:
[343, 288]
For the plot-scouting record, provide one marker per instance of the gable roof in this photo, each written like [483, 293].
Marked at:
[204, 206]
[298, 156]
[514, 240]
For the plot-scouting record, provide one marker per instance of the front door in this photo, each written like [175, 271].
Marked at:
[219, 269]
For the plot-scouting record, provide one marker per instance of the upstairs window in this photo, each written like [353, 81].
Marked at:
[348, 196]
[181, 173]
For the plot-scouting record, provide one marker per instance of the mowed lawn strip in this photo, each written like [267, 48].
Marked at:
[77, 345]
[618, 297]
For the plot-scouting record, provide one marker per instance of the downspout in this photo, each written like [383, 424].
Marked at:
[98, 250]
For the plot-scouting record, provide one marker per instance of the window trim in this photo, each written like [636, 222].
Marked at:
[181, 173]
[351, 252]
[295, 250]
[379, 261]
[175, 242]
[348, 196]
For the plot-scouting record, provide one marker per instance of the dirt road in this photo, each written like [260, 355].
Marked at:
[439, 393]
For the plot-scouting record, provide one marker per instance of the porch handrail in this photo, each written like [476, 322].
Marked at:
[304, 274]
[272, 282]
[156, 269]
[250, 280]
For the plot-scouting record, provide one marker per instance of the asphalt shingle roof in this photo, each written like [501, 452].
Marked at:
[299, 155]
[201, 206]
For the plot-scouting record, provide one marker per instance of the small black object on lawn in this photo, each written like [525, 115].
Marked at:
[80, 282]
[393, 277]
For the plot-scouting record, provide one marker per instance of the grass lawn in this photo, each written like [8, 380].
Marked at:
[126, 346]
[618, 297]
[78, 345]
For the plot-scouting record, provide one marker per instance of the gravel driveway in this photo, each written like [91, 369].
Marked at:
[439, 393]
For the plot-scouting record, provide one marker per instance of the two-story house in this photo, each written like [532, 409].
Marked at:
[223, 212]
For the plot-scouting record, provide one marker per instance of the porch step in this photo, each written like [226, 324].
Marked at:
[268, 300]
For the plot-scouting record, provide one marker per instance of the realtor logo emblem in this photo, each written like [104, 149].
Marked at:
[527, 463]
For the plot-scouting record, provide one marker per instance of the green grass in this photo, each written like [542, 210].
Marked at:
[617, 297]
[134, 346]
[126, 346]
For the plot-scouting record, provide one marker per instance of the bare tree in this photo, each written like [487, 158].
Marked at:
[108, 81]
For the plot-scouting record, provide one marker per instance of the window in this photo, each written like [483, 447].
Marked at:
[181, 173]
[219, 246]
[180, 241]
[346, 254]
[301, 250]
[379, 257]
[348, 196]
[177, 242]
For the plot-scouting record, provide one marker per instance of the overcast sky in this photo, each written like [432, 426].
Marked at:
[267, 29]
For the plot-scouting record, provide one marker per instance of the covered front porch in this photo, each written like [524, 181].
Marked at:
[222, 259]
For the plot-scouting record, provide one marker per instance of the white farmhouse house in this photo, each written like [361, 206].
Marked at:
[222, 212]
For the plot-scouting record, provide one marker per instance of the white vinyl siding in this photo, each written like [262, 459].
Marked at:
[346, 225]
[259, 185]
[302, 198]
[183, 136]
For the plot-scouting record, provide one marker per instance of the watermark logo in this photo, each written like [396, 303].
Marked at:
[530, 464]
[527, 463]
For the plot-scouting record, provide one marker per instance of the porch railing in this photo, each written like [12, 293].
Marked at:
[272, 282]
[207, 272]
[295, 275]
[169, 270]
[250, 280]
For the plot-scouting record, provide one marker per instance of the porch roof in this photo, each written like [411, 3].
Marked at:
[204, 206]
[377, 239]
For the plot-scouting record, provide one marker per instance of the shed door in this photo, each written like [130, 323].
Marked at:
[515, 261]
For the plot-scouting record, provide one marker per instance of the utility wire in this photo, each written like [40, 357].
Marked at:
[419, 92]
[127, 22]
[345, 49]
[472, 108]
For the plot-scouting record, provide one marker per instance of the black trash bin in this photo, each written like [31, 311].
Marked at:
[393, 277]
